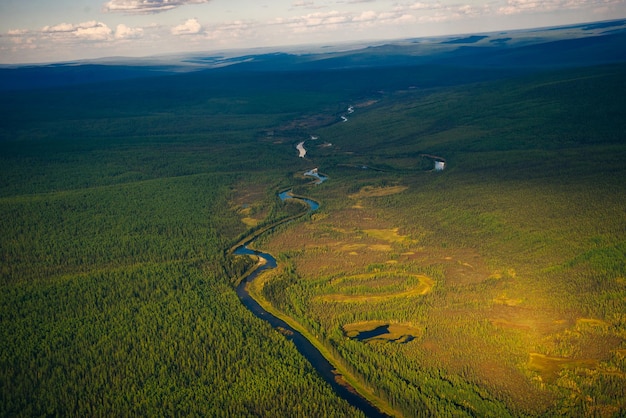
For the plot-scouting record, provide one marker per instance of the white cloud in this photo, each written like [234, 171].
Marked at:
[307, 4]
[20, 39]
[124, 32]
[427, 6]
[437, 12]
[365, 16]
[450, 9]
[382, 18]
[90, 31]
[17, 32]
[521, 6]
[146, 6]
[319, 20]
[334, 20]
[190, 27]
[236, 26]
[61, 27]
[405, 18]
[512, 7]
[93, 31]
[237, 32]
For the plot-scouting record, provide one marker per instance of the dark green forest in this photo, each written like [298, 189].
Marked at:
[501, 279]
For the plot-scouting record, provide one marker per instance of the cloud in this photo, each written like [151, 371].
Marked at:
[17, 32]
[437, 12]
[19, 39]
[522, 6]
[306, 4]
[69, 41]
[332, 20]
[124, 32]
[94, 31]
[190, 27]
[146, 6]
[512, 7]
[423, 6]
[61, 27]
[314, 20]
[229, 33]
[405, 18]
[366, 16]
[90, 31]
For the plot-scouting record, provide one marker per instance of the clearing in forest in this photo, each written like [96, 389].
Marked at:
[370, 191]
[377, 287]
[381, 331]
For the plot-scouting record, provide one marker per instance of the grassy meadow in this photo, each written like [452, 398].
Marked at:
[496, 287]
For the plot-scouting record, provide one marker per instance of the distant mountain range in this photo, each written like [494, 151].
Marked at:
[520, 50]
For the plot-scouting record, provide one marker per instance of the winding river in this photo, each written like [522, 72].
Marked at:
[304, 346]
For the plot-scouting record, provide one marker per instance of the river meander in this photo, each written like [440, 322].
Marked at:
[304, 346]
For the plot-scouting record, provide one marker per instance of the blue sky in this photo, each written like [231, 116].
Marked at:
[60, 30]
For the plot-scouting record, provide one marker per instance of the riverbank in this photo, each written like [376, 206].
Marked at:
[249, 289]
[255, 288]
[301, 149]
[315, 173]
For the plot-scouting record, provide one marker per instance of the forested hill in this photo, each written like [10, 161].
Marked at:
[513, 52]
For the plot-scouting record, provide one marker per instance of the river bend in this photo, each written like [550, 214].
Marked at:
[304, 346]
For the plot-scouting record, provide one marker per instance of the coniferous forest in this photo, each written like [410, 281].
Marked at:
[494, 287]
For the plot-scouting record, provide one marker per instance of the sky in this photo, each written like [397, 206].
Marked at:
[43, 31]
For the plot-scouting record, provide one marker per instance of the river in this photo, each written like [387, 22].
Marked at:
[301, 150]
[304, 346]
